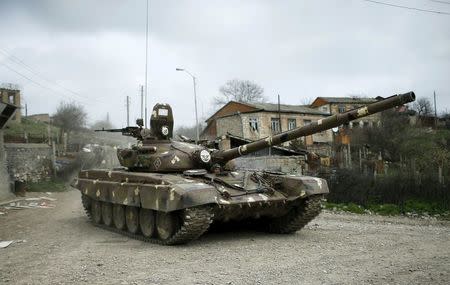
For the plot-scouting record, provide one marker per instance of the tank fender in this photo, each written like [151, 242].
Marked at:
[179, 196]
[299, 185]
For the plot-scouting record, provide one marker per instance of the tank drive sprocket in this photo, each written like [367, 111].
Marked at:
[297, 217]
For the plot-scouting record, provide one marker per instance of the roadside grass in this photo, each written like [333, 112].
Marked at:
[409, 208]
[47, 186]
[34, 129]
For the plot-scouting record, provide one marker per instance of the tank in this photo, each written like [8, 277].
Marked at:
[169, 192]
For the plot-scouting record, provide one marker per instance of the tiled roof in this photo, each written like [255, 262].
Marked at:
[348, 100]
[271, 107]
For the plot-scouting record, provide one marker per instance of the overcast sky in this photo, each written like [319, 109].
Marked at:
[298, 49]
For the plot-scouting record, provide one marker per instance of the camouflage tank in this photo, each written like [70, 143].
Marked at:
[169, 192]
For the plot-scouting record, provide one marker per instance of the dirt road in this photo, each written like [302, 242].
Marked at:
[62, 247]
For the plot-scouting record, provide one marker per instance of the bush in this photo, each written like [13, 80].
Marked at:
[399, 189]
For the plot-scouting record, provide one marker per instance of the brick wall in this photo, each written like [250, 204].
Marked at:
[29, 162]
[230, 124]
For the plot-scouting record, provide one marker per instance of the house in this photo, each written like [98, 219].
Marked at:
[10, 94]
[336, 105]
[44, 118]
[254, 121]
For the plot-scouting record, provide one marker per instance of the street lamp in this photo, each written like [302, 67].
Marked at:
[195, 100]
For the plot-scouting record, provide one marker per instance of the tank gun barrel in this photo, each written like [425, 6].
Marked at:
[127, 131]
[323, 124]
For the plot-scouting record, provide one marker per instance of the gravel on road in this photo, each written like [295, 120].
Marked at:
[62, 247]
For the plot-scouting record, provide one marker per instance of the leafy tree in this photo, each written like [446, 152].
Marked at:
[240, 91]
[387, 138]
[70, 117]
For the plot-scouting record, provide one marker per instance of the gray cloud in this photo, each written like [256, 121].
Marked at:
[298, 49]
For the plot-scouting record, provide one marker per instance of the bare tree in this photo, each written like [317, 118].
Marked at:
[70, 117]
[240, 91]
[188, 131]
[423, 107]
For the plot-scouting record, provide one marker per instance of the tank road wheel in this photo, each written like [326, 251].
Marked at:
[166, 224]
[107, 214]
[119, 216]
[132, 219]
[297, 217]
[147, 222]
[96, 209]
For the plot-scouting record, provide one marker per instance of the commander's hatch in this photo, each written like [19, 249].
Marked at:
[6, 112]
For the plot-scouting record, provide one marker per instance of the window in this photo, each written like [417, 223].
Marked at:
[306, 122]
[11, 99]
[253, 122]
[275, 125]
[341, 108]
[324, 109]
[292, 124]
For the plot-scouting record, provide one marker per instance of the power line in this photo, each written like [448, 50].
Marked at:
[17, 60]
[406, 7]
[39, 84]
[443, 2]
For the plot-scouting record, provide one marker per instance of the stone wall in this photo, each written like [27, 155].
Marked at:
[287, 164]
[5, 192]
[29, 162]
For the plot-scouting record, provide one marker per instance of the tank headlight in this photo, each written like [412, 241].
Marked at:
[205, 156]
[165, 131]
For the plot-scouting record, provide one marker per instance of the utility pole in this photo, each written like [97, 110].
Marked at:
[142, 102]
[26, 110]
[146, 65]
[128, 111]
[196, 113]
[435, 110]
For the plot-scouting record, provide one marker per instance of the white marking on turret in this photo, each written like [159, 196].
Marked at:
[110, 174]
[97, 193]
[175, 159]
[251, 199]
[125, 202]
[136, 191]
[319, 122]
[269, 140]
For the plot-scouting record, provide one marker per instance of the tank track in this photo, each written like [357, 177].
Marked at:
[298, 217]
[195, 222]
